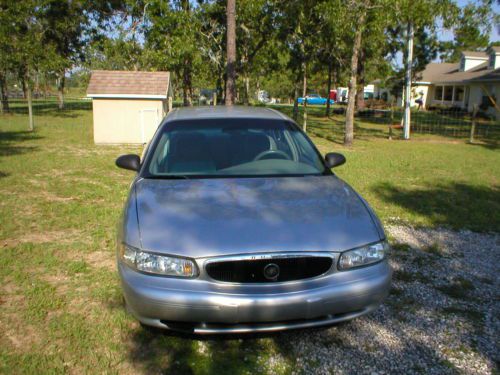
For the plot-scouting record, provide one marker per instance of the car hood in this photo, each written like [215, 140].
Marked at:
[210, 217]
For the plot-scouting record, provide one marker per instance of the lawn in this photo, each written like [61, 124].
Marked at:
[61, 308]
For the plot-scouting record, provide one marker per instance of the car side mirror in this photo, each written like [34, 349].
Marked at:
[334, 159]
[129, 161]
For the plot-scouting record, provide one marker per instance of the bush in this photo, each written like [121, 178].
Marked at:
[377, 104]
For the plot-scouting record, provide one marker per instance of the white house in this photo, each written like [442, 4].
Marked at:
[465, 84]
[472, 81]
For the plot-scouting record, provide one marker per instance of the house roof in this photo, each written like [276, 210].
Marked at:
[494, 48]
[128, 84]
[493, 75]
[482, 55]
[450, 73]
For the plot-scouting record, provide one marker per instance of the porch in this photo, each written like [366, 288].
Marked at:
[449, 95]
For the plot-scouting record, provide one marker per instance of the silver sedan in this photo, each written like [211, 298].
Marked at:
[235, 223]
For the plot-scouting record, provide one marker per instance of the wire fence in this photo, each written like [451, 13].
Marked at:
[454, 123]
[388, 123]
[369, 122]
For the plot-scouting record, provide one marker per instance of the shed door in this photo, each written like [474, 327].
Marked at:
[149, 121]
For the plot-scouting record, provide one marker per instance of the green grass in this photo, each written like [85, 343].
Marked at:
[61, 308]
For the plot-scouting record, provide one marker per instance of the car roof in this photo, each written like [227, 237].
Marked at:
[226, 112]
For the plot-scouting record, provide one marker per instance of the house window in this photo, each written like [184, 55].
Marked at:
[438, 93]
[459, 93]
[448, 93]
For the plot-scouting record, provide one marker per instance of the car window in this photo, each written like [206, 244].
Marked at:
[229, 147]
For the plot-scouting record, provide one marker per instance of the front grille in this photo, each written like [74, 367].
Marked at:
[258, 270]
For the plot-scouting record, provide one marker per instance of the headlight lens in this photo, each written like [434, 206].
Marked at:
[363, 256]
[158, 264]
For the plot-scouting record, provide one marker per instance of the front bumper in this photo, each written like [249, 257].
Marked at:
[209, 307]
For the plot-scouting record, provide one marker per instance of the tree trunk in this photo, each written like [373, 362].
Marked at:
[231, 52]
[327, 113]
[351, 101]
[247, 90]
[24, 88]
[295, 104]
[4, 94]
[304, 80]
[60, 90]
[186, 84]
[360, 94]
[31, 125]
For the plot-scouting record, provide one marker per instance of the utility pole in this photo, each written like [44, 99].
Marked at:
[409, 63]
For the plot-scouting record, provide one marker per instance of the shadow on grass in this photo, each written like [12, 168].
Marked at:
[44, 108]
[9, 142]
[167, 352]
[453, 205]
[488, 144]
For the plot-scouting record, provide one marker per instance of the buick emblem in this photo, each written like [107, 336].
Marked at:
[271, 271]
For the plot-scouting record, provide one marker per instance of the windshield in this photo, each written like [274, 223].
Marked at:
[232, 147]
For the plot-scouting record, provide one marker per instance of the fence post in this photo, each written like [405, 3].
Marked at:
[214, 98]
[473, 124]
[391, 121]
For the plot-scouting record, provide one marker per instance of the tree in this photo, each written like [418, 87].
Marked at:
[298, 24]
[333, 39]
[360, 9]
[231, 52]
[22, 36]
[255, 30]
[471, 30]
[172, 39]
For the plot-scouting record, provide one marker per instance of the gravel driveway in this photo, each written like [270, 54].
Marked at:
[442, 316]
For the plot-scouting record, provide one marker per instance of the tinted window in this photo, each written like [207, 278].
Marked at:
[242, 147]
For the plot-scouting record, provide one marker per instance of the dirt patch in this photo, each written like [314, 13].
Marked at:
[101, 259]
[51, 197]
[16, 332]
[61, 236]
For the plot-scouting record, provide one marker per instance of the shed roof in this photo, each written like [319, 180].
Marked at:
[128, 84]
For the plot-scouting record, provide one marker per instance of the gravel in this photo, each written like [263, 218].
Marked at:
[442, 316]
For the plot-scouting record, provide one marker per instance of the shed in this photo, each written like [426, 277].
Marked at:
[128, 106]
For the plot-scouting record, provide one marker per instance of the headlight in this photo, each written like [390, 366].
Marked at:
[158, 264]
[363, 256]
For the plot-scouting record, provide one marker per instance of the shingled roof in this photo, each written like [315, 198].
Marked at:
[482, 55]
[450, 73]
[128, 84]
[493, 75]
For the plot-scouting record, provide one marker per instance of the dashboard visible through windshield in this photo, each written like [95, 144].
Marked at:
[232, 147]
